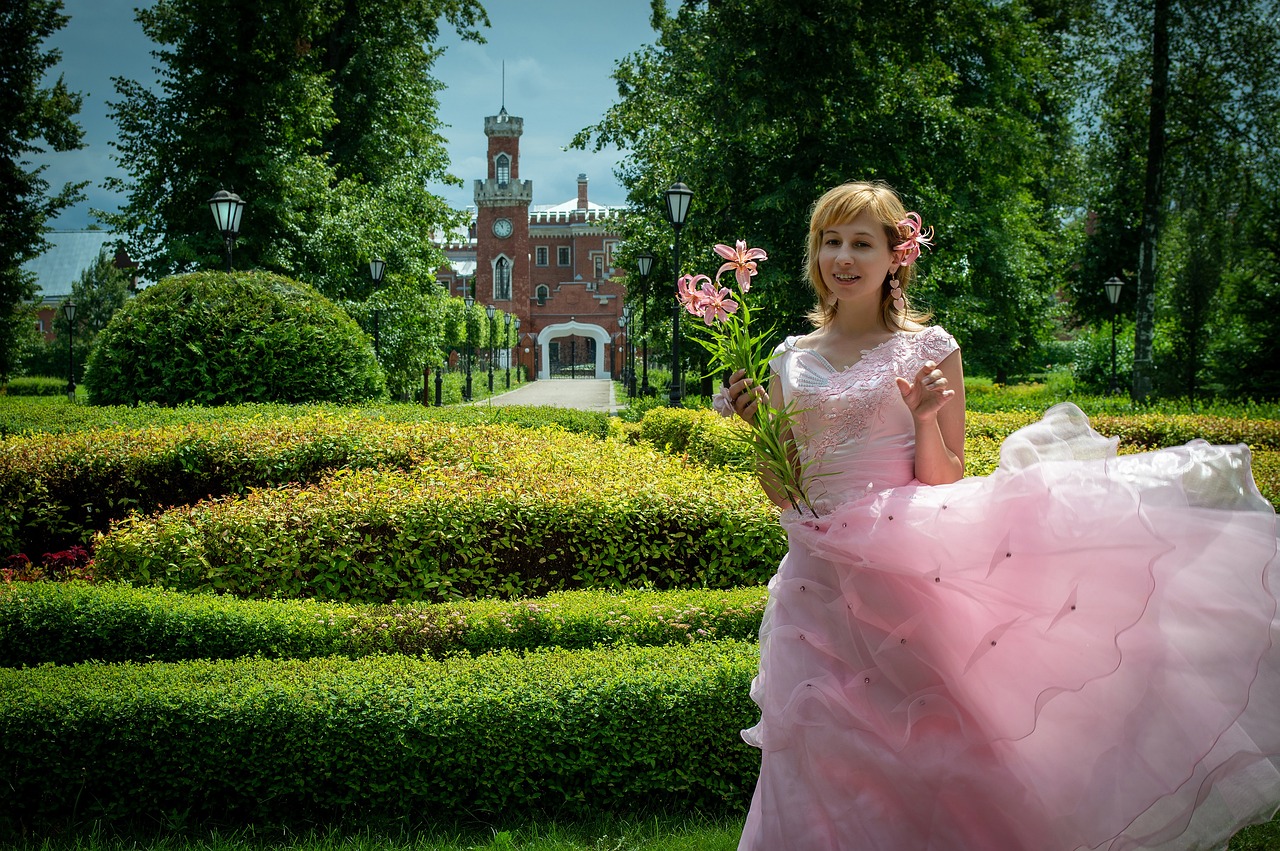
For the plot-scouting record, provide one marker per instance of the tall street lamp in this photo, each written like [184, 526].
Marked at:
[628, 353]
[377, 268]
[645, 264]
[490, 311]
[1113, 285]
[515, 349]
[678, 197]
[506, 343]
[443, 360]
[227, 208]
[69, 311]
[469, 301]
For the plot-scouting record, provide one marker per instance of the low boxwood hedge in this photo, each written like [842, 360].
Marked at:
[520, 513]
[34, 386]
[277, 742]
[57, 490]
[701, 435]
[69, 622]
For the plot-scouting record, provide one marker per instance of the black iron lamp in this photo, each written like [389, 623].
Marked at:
[227, 207]
[644, 263]
[377, 268]
[1114, 285]
[506, 340]
[69, 311]
[678, 198]
[469, 301]
[490, 311]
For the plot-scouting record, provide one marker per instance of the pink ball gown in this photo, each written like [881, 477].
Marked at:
[1075, 652]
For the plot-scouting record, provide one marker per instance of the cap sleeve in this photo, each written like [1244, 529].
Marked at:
[934, 343]
[776, 360]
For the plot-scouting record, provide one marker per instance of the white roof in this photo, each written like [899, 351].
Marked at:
[570, 206]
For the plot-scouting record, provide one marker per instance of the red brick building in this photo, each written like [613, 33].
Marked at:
[552, 266]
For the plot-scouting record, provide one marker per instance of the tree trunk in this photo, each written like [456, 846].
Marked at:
[1145, 317]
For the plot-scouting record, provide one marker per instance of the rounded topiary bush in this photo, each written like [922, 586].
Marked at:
[214, 338]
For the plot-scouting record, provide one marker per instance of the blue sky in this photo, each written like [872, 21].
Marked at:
[558, 54]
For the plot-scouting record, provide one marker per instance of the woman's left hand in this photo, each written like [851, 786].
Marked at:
[926, 395]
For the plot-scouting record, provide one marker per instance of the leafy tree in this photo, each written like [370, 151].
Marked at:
[319, 113]
[33, 114]
[1188, 99]
[410, 325]
[961, 105]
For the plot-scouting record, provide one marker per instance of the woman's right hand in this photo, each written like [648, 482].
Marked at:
[744, 396]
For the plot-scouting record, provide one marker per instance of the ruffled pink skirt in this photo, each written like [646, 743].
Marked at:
[1077, 651]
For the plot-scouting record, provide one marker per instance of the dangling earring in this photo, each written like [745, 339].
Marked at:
[895, 292]
[831, 299]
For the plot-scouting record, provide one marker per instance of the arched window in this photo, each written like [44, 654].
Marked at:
[504, 169]
[543, 292]
[502, 280]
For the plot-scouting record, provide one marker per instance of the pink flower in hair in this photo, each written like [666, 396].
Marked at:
[691, 295]
[742, 260]
[909, 249]
[716, 303]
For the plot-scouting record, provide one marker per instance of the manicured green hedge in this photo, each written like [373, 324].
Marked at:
[69, 622]
[219, 338]
[35, 386]
[497, 512]
[57, 490]
[301, 742]
[35, 415]
[701, 435]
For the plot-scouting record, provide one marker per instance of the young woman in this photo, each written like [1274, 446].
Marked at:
[1073, 652]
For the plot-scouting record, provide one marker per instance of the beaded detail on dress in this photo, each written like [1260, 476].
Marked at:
[841, 405]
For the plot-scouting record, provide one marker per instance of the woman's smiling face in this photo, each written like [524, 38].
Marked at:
[855, 257]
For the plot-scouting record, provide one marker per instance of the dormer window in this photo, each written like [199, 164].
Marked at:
[504, 169]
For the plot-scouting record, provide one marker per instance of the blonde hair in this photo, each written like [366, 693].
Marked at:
[843, 204]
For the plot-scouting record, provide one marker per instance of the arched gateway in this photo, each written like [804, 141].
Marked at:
[570, 329]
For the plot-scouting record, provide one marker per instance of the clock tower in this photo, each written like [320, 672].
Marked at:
[502, 221]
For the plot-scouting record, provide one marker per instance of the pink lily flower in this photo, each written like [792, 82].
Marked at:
[909, 249]
[716, 303]
[742, 260]
[691, 295]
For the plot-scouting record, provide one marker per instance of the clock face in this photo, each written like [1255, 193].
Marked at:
[502, 228]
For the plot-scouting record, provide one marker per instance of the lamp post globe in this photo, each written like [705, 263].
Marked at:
[377, 268]
[469, 301]
[490, 311]
[644, 263]
[227, 208]
[69, 311]
[516, 341]
[629, 365]
[444, 291]
[678, 198]
[506, 341]
[1113, 286]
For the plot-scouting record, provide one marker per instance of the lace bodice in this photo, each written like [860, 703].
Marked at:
[852, 426]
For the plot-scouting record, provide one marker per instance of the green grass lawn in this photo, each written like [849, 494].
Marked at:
[657, 833]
